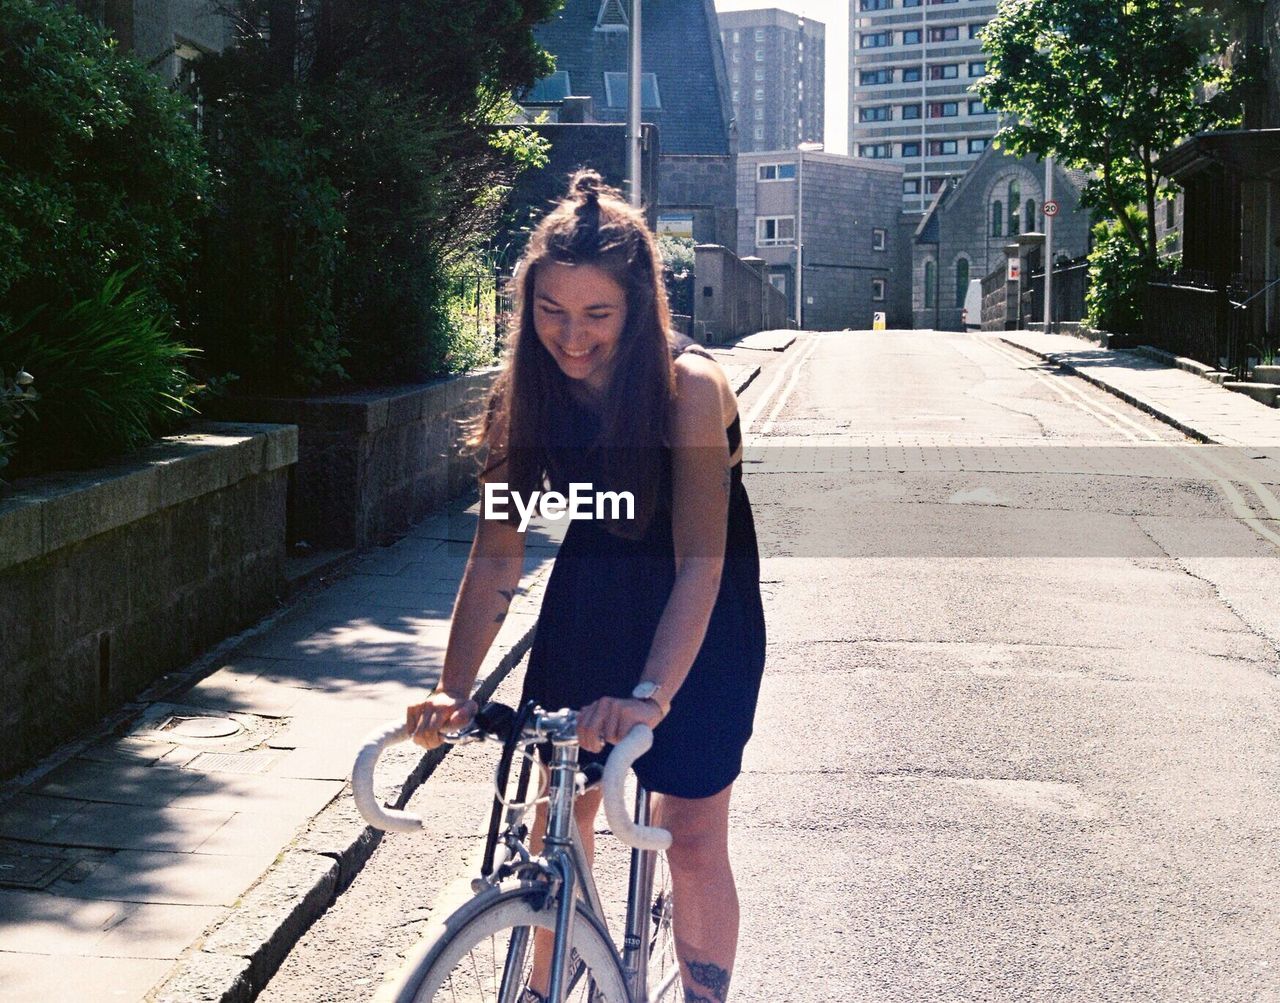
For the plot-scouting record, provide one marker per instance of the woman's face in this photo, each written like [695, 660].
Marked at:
[579, 312]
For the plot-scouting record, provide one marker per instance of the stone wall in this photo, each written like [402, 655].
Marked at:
[732, 297]
[113, 577]
[372, 463]
[703, 185]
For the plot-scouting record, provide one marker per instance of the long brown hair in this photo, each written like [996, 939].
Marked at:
[592, 225]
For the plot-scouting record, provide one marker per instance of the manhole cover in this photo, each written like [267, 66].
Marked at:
[18, 870]
[200, 727]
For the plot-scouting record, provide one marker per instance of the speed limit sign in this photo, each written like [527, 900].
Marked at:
[1051, 208]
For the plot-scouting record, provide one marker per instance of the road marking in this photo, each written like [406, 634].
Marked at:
[1210, 467]
[794, 371]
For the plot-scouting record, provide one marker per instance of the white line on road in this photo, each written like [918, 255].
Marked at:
[786, 393]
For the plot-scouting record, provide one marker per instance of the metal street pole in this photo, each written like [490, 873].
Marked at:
[802, 149]
[1048, 247]
[633, 106]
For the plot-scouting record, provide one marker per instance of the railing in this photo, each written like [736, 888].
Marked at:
[1188, 315]
[1070, 283]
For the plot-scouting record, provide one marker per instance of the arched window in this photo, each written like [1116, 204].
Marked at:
[1015, 199]
[997, 218]
[962, 280]
[1031, 215]
[930, 285]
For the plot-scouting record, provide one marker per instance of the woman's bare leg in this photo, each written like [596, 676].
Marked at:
[706, 899]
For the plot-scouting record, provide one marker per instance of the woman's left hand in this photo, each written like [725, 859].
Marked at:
[609, 719]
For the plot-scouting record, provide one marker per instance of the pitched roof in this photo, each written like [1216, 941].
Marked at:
[682, 50]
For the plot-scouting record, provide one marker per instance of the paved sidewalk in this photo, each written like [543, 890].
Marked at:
[179, 857]
[1190, 403]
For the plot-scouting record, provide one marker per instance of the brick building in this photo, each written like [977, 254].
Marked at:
[855, 262]
[776, 64]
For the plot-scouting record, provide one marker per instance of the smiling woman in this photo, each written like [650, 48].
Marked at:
[651, 615]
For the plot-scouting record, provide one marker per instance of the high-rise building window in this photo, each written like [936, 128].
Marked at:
[879, 113]
[933, 185]
[759, 34]
[978, 145]
[910, 74]
[878, 239]
[977, 69]
[942, 147]
[976, 107]
[950, 33]
[911, 37]
[910, 186]
[975, 30]
[758, 132]
[759, 94]
[875, 39]
[910, 111]
[737, 95]
[868, 78]
[758, 113]
[759, 55]
[943, 109]
[910, 150]
[911, 3]
[875, 4]
[875, 151]
[944, 71]
[759, 73]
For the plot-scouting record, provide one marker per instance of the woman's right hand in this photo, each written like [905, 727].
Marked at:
[440, 712]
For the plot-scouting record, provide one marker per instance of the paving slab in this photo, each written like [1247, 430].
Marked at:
[51, 979]
[767, 341]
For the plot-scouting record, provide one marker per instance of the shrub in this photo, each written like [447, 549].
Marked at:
[678, 257]
[111, 377]
[101, 177]
[1118, 276]
[17, 395]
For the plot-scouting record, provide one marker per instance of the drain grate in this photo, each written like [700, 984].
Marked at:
[234, 762]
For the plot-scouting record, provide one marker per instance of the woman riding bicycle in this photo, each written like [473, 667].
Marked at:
[653, 616]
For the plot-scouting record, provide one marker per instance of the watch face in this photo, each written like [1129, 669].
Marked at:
[645, 690]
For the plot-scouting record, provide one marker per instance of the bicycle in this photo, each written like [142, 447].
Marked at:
[482, 950]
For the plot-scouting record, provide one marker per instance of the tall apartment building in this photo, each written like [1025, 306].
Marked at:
[912, 63]
[776, 77]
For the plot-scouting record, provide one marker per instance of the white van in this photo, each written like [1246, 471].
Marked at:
[973, 306]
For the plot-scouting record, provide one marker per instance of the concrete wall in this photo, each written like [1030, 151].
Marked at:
[113, 577]
[372, 463]
[704, 186]
[732, 298]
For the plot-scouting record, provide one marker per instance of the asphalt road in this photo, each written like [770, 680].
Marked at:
[1018, 733]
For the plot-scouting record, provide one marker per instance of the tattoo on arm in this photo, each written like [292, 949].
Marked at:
[507, 595]
[712, 976]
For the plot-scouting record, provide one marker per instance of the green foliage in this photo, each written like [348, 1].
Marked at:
[100, 171]
[678, 257]
[17, 397]
[1109, 87]
[101, 177]
[111, 377]
[1118, 277]
[354, 169]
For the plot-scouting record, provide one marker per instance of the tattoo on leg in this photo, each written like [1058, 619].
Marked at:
[712, 976]
[691, 997]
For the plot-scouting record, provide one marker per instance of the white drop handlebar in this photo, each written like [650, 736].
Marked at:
[625, 753]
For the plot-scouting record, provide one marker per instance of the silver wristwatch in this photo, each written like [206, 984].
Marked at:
[648, 690]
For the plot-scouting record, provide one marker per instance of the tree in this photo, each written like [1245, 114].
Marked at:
[358, 155]
[1108, 86]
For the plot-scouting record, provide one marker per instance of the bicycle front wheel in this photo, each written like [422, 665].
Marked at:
[483, 953]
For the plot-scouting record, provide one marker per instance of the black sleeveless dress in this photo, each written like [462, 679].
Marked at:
[600, 614]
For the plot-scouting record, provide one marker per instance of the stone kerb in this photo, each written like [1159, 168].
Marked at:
[115, 576]
[371, 463]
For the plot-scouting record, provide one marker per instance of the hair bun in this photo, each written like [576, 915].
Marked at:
[587, 184]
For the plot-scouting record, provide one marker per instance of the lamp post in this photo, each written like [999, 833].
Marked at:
[802, 148]
[633, 106]
[1048, 247]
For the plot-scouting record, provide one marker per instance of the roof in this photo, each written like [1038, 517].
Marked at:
[1249, 152]
[682, 50]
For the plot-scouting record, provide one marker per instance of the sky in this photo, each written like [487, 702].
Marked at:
[835, 15]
